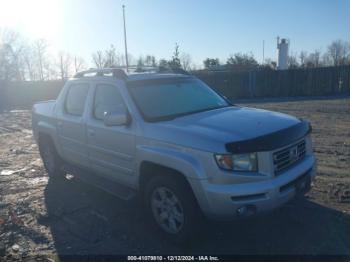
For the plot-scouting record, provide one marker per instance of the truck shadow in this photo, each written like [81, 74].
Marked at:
[85, 220]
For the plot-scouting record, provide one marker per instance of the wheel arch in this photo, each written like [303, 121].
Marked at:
[182, 165]
[149, 170]
[45, 137]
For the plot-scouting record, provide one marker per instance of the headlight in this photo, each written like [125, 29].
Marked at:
[238, 162]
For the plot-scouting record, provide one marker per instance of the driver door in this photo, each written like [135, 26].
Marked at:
[111, 149]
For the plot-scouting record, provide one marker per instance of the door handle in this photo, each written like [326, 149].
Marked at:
[91, 132]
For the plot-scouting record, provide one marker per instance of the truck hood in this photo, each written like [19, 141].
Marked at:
[212, 130]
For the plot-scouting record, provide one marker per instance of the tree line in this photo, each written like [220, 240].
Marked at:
[337, 54]
[25, 60]
[22, 60]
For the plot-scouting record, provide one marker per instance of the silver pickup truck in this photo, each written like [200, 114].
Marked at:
[169, 138]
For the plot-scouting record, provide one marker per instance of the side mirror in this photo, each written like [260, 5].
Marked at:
[120, 118]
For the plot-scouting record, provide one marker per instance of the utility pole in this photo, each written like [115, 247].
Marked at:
[125, 42]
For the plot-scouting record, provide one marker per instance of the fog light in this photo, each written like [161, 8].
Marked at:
[247, 210]
[241, 211]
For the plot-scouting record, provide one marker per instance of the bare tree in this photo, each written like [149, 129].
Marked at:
[17, 61]
[339, 52]
[11, 49]
[269, 64]
[79, 64]
[326, 60]
[29, 62]
[292, 61]
[98, 59]
[5, 64]
[140, 64]
[303, 56]
[111, 57]
[49, 66]
[314, 59]
[150, 60]
[21, 60]
[194, 67]
[65, 65]
[186, 61]
[40, 52]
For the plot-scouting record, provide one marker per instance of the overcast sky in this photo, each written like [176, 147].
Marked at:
[202, 28]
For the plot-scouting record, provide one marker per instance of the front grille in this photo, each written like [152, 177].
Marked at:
[286, 157]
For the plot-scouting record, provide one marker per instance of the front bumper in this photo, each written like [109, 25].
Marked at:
[223, 201]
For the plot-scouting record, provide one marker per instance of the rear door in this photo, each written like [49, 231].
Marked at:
[111, 148]
[71, 124]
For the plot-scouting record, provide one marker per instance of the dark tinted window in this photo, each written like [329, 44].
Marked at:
[107, 99]
[167, 98]
[76, 98]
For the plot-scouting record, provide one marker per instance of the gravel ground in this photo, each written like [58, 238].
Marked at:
[52, 219]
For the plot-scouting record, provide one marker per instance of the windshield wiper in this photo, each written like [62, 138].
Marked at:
[172, 117]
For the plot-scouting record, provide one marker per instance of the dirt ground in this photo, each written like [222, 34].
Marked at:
[53, 219]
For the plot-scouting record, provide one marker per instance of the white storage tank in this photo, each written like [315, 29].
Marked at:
[282, 53]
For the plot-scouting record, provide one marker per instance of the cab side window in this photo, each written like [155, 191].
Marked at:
[107, 99]
[76, 98]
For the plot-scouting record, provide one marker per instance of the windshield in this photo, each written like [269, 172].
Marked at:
[163, 99]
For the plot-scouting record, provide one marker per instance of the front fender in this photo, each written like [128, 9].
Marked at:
[184, 162]
[181, 161]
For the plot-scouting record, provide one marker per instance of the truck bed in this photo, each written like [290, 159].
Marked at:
[43, 112]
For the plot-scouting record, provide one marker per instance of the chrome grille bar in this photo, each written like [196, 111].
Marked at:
[286, 157]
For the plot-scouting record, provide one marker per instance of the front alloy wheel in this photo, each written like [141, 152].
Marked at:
[172, 207]
[167, 210]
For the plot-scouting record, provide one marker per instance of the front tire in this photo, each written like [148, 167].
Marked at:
[52, 161]
[172, 208]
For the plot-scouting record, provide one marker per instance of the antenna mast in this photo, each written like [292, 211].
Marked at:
[125, 42]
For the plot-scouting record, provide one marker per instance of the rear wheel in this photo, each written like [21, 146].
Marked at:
[172, 207]
[52, 161]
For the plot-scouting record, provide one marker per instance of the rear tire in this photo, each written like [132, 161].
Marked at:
[52, 161]
[172, 208]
